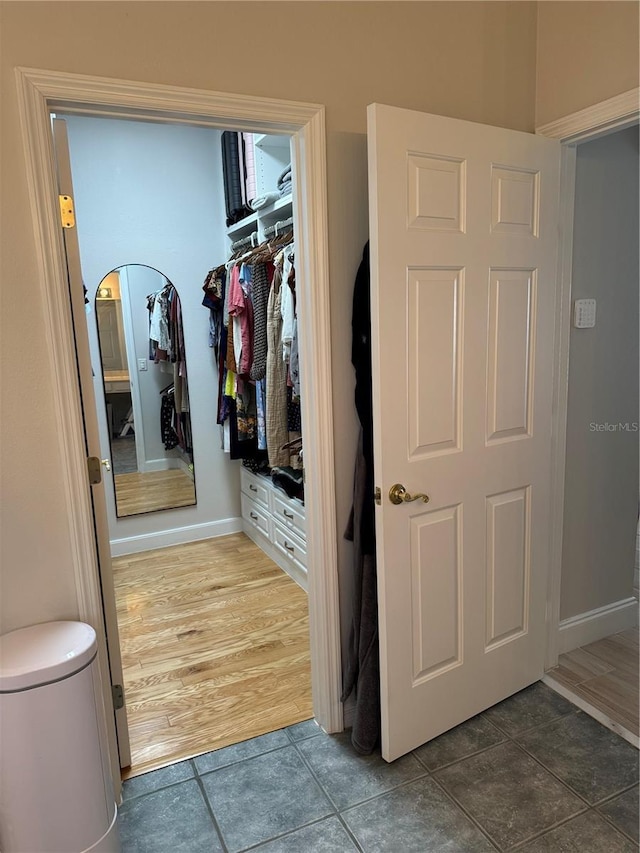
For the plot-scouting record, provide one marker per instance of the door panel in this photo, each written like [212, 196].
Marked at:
[463, 227]
[76, 291]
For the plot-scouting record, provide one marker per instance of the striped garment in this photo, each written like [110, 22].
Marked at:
[276, 408]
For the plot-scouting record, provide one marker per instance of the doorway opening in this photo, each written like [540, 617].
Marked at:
[43, 92]
[213, 632]
[598, 662]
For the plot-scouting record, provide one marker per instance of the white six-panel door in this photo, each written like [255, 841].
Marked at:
[463, 225]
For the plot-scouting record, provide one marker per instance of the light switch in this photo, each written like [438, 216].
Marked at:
[142, 364]
[584, 313]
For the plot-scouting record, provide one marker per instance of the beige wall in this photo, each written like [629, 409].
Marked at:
[469, 60]
[587, 52]
[438, 57]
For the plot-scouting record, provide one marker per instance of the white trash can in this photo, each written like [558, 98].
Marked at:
[56, 794]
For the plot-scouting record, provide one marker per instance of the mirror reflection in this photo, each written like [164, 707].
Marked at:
[144, 369]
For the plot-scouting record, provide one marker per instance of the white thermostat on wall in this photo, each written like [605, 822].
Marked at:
[584, 313]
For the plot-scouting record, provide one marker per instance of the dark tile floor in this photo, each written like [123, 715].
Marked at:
[531, 774]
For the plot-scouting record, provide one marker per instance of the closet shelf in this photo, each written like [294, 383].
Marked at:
[266, 216]
[282, 204]
[270, 140]
[244, 226]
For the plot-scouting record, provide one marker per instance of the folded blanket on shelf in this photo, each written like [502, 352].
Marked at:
[284, 177]
[264, 200]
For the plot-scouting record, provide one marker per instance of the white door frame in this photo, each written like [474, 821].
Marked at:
[41, 92]
[615, 113]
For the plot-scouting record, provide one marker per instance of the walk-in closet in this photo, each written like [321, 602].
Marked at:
[188, 255]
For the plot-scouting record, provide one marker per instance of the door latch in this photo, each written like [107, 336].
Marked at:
[67, 216]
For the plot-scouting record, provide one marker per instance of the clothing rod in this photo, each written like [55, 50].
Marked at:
[245, 241]
[273, 228]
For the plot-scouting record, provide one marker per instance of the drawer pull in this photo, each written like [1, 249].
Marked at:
[287, 514]
[289, 547]
[253, 516]
[253, 488]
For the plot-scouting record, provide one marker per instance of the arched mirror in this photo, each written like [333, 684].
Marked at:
[144, 369]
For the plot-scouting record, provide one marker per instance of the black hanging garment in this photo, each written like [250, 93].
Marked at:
[234, 179]
[362, 672]
[167, 414]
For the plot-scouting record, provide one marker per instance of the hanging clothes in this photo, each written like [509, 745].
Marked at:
[167, 350]
[362, 672]
[287, 304]
[276, 409]
[260, 298]
[256, 407]
[167, 410]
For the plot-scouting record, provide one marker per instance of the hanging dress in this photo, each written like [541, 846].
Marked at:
[276, 402]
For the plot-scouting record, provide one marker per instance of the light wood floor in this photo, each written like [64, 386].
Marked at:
[605, 675]
[137, 493]
[215, 647]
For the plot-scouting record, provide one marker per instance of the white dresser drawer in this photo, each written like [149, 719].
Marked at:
[255, 515]
[290, 546]
[255, 488]
[290, 513]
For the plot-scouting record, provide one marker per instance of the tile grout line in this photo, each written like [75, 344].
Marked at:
[240, 760]
[607, 799]
[590, 806]
[612, 823]
[274, 837]
[464, 757]
[549, 829]
[608, 818]
[398, 787]
[211, 814]
[467, 814]
[337, 812]
[563, 782]
[286, 834]
[511, 739]
[623, 832]
[574, 710]
[160, 788]
[539, 762]
[428, 774]
[536, 834]
[195, 778]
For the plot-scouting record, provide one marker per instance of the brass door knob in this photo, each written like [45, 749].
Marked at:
[399, 495]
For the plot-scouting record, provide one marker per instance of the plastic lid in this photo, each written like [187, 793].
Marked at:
[42, 653]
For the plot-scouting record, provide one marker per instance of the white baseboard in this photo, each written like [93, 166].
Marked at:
[184, 466]
[596, 624]
[152, 465]
[175, 536]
